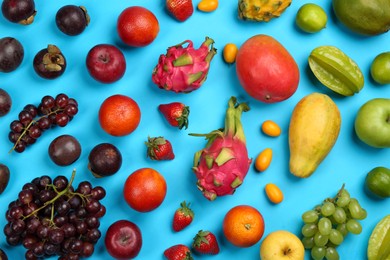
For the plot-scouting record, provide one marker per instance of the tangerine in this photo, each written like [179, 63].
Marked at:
[119, 115]
[145, 189]
[243, 226]
[137, 26]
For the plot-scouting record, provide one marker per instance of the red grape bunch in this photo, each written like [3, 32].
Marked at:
[50, 218]
[33, 120]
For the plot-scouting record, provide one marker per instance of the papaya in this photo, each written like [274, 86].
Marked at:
[313, 130]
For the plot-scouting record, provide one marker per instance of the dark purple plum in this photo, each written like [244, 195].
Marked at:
[4, 177]
[11, 54]
[5, 102]
[64, 150]
[49, 63]
[104, 160]
[72, 20]
[19, 11]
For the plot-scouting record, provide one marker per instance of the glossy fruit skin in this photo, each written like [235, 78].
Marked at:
[119, 115]
[11, 54]
[380, 68]
[311, 18]
[137, 26]
[18, 11]
[64, 150]
[123, 240]
[180, 9]
[72, 20]
[106, 63]
[266, 70]
[372, 124]
[4, 177]
[366, 17]
[378, 182]
[145, 189]
[105, 159]
[178, 252]
[5, 102]
[43, 70]
[243, 226]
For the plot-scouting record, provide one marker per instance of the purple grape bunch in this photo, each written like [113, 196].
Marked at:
[34, 120]
[50, 217]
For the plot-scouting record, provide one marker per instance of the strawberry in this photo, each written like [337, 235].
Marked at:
[205, 242]
[183, 217]
[176, 114]
[178, 252]
[159, 148]
[180, 9]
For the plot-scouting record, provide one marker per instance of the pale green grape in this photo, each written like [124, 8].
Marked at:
[354, 226]
[308, 242]
[339, 215]
[331, 254]
[327, 209]
[344, 192]
[362, 215]
[324, 226]
[309, 230]
[343, 200]
[310, 216]
[320, 240]
[336, 237]
[343, 229]
[318, 253]
[354, 208]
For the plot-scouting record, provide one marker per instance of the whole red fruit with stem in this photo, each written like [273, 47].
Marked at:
[106, 63]
[266, 70]
[123, 240]
[137, 26]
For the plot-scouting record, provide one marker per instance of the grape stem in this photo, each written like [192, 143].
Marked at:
[30, 124]
[334, 199]
[59, 194]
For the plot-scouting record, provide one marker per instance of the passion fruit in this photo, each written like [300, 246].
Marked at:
[378, 182]
[367, 17]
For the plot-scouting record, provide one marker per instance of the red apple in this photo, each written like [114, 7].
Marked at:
[106, 63]
[123, 240]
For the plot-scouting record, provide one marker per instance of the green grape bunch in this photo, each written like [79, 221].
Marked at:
[326, 225]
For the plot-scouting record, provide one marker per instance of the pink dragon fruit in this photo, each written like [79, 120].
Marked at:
[184, 69]
[223, 164]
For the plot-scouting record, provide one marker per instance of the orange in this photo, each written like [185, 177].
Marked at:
[243, 226]
[145, 189]
[137, 26]
[119, 115]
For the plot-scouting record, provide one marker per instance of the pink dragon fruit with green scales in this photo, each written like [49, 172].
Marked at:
[223, 164]
[184, 69]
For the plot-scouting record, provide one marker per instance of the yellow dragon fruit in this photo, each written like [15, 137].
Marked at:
[223, 164]
[184, 69]
[261, 10]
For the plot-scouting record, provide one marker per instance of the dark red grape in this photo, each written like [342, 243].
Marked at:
[11, 53]
[62, 119]
[60, 182]
[29, 241]
[56, 236]
[19, 11]
[98, 193]
[48, 102]
[64, 150]
[25, 117]
[16, 126]
[104, 160]
[33, 110]
[5, 102]
[44, 123]
[49, 63]
[34, 131]
[87, 250]
[4, 177]
[26, 196]
[72, 19]
[84, 187]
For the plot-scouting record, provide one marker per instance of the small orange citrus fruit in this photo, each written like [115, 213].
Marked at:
[243, 226]
[119, 115]
[145, 189]
[137, 26]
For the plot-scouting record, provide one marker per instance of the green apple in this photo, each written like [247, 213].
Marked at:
[282, 245]
[372, 123]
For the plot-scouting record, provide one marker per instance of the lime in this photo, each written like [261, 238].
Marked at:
[378, 244]
[378, 181]
[380, 68]
[311, 18]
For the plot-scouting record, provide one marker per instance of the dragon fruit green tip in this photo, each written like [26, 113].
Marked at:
[183, 68]
[223, 164]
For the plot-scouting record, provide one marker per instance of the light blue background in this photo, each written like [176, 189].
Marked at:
[348, 162]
